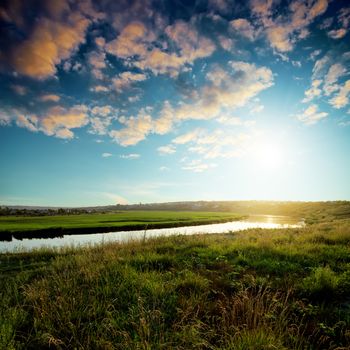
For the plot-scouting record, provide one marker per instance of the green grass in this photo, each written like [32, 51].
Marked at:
[112, 221]
[254, 289]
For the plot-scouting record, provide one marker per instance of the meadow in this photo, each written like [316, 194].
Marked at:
[105, 222]
[254, 289]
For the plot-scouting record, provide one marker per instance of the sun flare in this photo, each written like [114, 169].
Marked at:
[268, 155]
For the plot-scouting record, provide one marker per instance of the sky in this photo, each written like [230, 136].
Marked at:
[106, 102]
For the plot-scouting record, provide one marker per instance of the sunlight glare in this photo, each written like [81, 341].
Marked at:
[268, 155]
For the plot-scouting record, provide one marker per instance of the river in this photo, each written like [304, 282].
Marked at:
[253, 221]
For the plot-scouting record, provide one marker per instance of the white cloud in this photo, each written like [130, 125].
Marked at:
[182, 46]
[136, 129]
[311, 115]
[337, 33]
[99, 126]
[283, 31]
[97, 61]
[314, 91]
[198, 166]
[335, 72]
[5, 119]
[49, 98]
[215, 144]
[102, 111]
[341, 99]
[130, 156]
[57, 121]
[243, 27]
[314, 54]
[126, 79]
[99, 88]
[169, 149]
[226, 90]
[107, 155]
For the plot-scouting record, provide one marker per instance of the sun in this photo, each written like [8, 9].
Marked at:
[268, 154]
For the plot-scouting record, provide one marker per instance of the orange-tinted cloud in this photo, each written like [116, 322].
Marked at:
[50, 42]
[136, 45]
[49, 98]
[283, 31]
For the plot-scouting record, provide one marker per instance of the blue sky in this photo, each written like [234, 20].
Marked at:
[106, 102]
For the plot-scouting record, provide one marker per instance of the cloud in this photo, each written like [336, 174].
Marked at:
[337, 33]
[341, 99]
[130, 156]
[99, 88]
[283, 31]
[132, 41]
[106, 155]
[327, 73]
[136, 129]
[164, 168]
[188, 137]
[29, 123]
[169, 149]
[314, 91]
[48, 45]
[57, 121]
[335, 72]
[225, 90]
[314, 54]
[102, 111]
[141, 47]
[100, 120]
[165, 122]
[244, 28]
[5, 119]
[97, 61]
[19, 89]
[99, 126]
[319, 66]
[49, 98]
[126, 79]
[311, 115]
[198, 166]
[343, 21]
[225, 43]
[214, 144]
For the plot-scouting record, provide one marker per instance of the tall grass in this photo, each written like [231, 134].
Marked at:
[255, 289]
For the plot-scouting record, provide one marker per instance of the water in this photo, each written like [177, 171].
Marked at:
[253, 221]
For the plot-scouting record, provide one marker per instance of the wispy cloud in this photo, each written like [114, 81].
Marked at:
[49, 98]
[107, 155]
[130, 156]
[169, 149]
[311, 115]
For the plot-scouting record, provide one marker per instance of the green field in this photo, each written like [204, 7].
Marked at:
[112, 221]
[250, 290]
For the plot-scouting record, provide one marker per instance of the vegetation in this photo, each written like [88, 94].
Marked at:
[311, 211]
[255, 289]
[116, 221]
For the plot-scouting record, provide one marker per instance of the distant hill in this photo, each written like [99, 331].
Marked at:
[313, 211]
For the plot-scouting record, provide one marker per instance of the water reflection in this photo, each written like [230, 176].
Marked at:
[21, 242]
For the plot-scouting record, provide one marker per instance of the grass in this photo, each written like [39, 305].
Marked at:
[254, 289]
[111, 221]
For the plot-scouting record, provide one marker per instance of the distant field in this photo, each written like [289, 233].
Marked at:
[112, 221]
